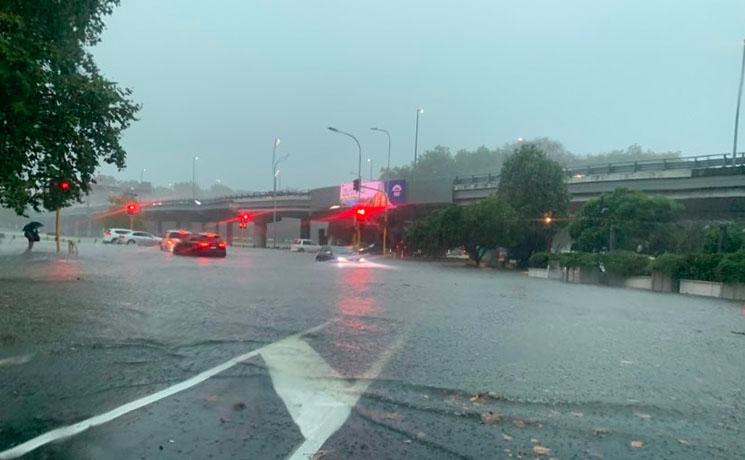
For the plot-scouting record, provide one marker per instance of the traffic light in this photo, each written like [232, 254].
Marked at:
[63, 185]
[356, 185]
[132, 208]
[361, 214]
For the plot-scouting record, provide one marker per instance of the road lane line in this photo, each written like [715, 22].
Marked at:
[16, 360]
[77, 428]
[316, 396]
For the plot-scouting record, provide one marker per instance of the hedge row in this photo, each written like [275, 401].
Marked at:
[727, 268]
[624, 263]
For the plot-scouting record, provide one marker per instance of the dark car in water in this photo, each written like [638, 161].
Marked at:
[201, 245]
[340, 254]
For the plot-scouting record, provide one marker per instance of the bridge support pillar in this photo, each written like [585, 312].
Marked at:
[229, 226]
[159, 227]
[259, 234]
[305, 228]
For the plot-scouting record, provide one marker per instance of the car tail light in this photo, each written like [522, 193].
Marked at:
[203, 245]
[107, 233]
[221, 245]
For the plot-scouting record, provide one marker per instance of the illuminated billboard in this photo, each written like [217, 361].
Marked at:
[373, 193]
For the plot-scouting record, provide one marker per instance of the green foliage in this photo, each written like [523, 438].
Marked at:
[59, 117]
[623, 263]
[701, 267]
[534, 186]
[730, 236]
[637, 220]
[578, 260]
[488, 224]
[731, 269]
[626, 263]
[436, 233]
[633, 153]
[539, 260]
[727, 268]
[670, 264]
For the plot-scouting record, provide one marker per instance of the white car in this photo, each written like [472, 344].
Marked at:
[304, 245]
[171, 238]
[111, 235]
[139, 238]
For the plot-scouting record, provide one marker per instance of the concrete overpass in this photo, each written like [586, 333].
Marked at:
[709, 186]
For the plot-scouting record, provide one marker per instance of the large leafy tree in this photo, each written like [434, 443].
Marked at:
[534, 187]
[59, 117]
[633, 219]
[488, 224]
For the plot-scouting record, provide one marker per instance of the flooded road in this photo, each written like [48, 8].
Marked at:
[267, 354]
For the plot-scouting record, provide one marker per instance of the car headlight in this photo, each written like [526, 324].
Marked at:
[341, 259]
[362, 259]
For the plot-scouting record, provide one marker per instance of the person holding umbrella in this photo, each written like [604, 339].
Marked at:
[31, 232]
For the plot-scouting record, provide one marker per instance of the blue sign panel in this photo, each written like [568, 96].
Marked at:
[396, 191]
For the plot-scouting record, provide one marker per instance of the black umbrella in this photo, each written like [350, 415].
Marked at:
[31, 226]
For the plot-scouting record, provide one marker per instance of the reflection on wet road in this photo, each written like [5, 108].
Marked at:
[378, 359]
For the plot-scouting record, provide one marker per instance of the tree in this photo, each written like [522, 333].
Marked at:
[488, 224]
[436, 233]
[635, 219]
[59, 118]
[534, 187]
[723, 238]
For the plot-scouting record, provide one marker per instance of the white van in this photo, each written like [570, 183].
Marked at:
[304, 245]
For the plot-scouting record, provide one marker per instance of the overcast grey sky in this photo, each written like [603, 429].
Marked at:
[221, 79]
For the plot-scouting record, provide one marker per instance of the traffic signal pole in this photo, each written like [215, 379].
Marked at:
[56, 228]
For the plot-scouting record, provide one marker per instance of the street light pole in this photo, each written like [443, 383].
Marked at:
[369, 160]
[419, 111]
[737, 110]
[387, 172]
[359, 171]
[142, 174]
[274, 191]
[194, 178]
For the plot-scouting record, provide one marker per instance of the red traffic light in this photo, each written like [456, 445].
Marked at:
[361, 214]
[132, 208]
[63, 185]
[245, 217]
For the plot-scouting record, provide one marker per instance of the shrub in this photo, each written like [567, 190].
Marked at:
[702, 267]
[578, 259]
[626, 263]
[539, 260]
[670, 264]
[731, 269]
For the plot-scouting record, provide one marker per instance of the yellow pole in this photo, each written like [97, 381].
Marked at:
[385, 230]
[56, 228]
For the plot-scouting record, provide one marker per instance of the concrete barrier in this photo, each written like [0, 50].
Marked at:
[538, 273]
[702, 288]
[638, 282]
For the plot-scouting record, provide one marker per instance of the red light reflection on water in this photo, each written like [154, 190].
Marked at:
[355, 293]
[60, 270]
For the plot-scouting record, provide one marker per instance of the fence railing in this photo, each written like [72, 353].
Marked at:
[694, 162]
[229, 199]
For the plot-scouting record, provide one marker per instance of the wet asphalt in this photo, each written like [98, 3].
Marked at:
[454, 362]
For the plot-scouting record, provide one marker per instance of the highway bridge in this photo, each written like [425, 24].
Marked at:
[710, 186]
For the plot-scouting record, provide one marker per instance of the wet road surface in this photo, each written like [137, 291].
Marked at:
[268, 354]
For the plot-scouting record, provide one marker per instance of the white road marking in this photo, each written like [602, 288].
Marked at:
[16, 360]
[77, 428]
[317, 397]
